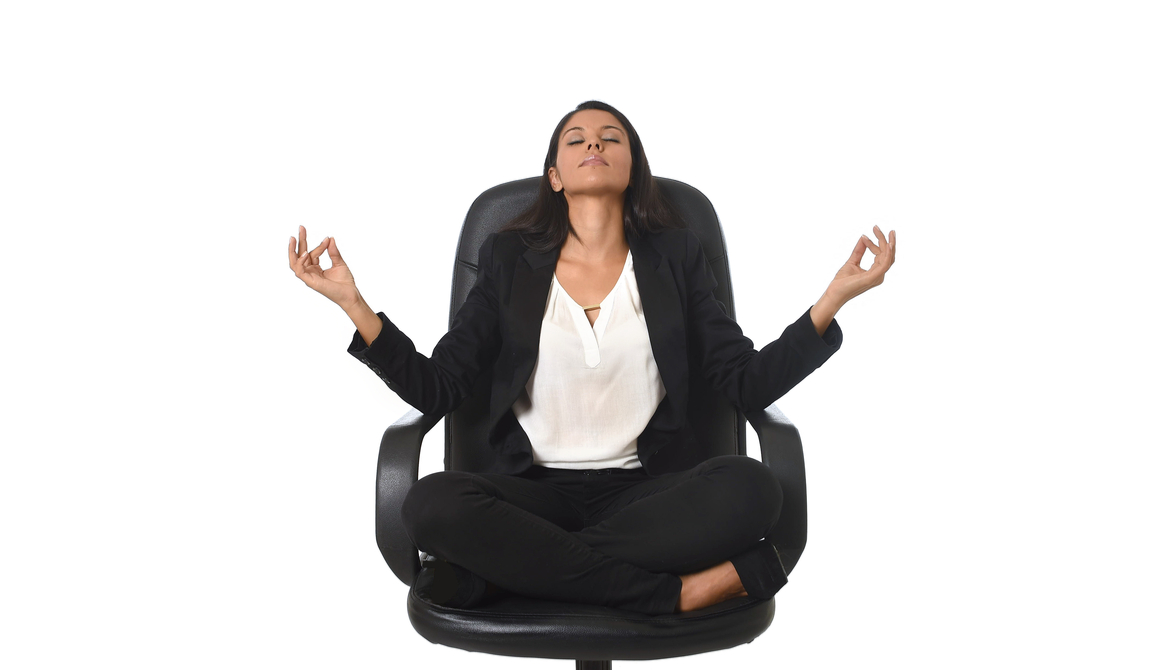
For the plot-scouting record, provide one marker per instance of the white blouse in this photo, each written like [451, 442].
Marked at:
[594, 387]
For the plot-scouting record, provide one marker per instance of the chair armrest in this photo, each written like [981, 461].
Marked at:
[397, 472]
[781, 451]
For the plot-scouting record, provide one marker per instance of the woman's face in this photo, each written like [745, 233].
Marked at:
[593, 155]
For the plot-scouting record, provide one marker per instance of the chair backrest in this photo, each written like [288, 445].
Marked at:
[719, 427]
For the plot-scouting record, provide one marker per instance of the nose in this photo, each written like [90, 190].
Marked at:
[594, 147]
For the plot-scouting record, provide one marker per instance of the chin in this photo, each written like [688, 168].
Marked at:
[599, 186]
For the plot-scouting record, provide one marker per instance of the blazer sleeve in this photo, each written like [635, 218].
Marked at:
[439, 384]
[751, 380]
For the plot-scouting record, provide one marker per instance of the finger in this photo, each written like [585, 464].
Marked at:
[304, 260]
[316, 253]
[299, 265]
[881, 236]
[302, 272]
[893, 246]
[304, 246]
[295, 261]
[872, 247]
[858, 252]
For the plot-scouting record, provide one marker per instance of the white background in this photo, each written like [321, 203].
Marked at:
[189, 452]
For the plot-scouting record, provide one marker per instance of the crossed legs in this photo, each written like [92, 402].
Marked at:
[625, 550]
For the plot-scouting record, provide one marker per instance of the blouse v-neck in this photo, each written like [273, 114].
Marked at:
[591, 333]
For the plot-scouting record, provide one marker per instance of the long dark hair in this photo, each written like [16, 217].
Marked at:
[545, 225]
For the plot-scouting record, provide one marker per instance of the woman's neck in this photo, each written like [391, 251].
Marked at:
[600, 226]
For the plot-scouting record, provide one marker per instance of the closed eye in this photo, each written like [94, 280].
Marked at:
[607, 139]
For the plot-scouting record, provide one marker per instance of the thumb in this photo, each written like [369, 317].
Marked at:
[334, 252]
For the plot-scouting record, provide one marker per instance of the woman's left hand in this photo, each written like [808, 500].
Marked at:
[851, 281]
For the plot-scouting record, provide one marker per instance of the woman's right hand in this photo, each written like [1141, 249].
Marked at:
[336, 283]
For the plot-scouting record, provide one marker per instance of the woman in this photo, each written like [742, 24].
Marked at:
[597, 292]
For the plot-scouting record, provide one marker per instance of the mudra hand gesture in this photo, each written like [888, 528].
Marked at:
[336, 283]
[851, 281]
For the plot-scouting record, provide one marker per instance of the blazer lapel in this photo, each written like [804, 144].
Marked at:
[662, 307]
[531, 283]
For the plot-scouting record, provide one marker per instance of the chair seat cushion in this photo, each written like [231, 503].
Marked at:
[513, 625]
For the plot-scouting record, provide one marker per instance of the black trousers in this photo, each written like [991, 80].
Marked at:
[613, 537]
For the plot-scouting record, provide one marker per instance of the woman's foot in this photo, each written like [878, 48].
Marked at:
[709, 587]
[451, 585]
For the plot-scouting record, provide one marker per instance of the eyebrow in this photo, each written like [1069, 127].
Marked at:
[583, 130]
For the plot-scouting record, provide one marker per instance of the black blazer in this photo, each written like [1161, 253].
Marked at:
[498, 329]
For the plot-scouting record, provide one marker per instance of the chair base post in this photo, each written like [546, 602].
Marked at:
[594, 665]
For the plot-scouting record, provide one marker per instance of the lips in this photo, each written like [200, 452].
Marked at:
[594, 160]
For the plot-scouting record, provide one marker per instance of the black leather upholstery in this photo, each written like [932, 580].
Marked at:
[516, 626]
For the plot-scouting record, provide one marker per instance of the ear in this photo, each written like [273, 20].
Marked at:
[554, 180]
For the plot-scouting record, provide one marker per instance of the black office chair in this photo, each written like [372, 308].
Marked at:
[593, 635]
